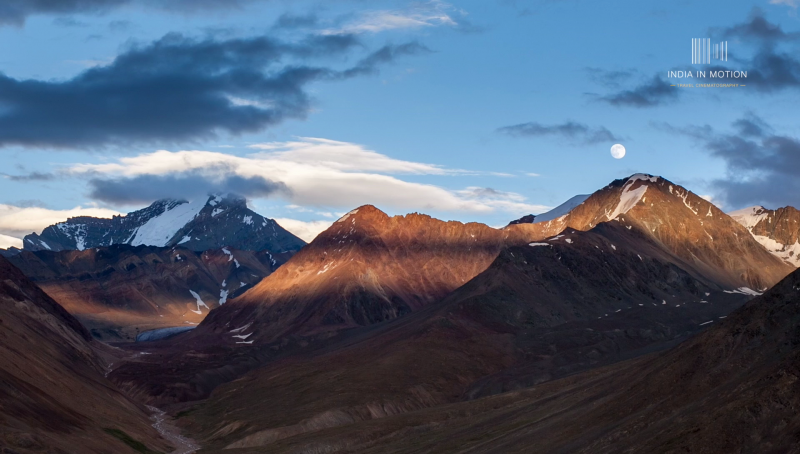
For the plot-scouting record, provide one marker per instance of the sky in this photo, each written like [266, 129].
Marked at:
[465, 110]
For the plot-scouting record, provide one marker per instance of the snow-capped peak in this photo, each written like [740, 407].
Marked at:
[749, 217]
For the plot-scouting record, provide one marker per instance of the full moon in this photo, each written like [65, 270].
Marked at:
[618, 151]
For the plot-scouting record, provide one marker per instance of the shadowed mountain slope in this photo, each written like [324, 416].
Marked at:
[121, 290]
[53, 394]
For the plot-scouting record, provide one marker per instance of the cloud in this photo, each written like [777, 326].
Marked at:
[609, 79]
[761, 164]
[143, 189]
[9, 241]
[790, 3]
[293, 21]
[652, 93]
[317, 173]
[426, 14]
[305, 230]
[573, 131]
[16, 11]
[179, 89]
[19, 221]
[33, 176]
[757, 27]
[769, 69]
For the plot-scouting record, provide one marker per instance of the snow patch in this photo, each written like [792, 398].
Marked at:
[629, 197]
[744, 291]
[562, 209]
[199, 302]
[160, 229]
[344, 218]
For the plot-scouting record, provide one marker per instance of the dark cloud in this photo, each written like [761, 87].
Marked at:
[655, 92]
[148, 188]
[33, 176]
[757, 27]
[16, 11]
[69, 22]
[293, 21]
[178, 89]
[762, 165]
[386, 54]
[609, 79]
[576, 132]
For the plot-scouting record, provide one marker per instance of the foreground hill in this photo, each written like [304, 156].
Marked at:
[120, 291]
[207, 223]
[540, 311]
[777, 230]
[53, 394]
[733, 388]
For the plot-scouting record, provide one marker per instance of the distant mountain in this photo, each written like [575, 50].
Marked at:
[53, 392]
[121, 290]
[527, 219]
[212, 223]
[10, 252]
[777, 230]
[556, 212]
[709, 242]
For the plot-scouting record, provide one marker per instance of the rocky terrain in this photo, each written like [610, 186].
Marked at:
[53, 392]
[777, 230]
[210, 223]
[121, 291]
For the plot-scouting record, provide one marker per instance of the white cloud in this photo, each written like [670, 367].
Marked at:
[325, 173]
[18, 221]
[427, 14]
[712, 200]
[790, 3]
[9, 241]
[307, 231]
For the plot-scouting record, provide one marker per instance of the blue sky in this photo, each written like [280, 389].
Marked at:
[417, 124]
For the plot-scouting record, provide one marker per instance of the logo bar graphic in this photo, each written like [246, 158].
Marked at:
[703, 51]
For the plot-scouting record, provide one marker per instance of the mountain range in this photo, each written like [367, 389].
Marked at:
[619, 321]
[381, 316]
[206, 223]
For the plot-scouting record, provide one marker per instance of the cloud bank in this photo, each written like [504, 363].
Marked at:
[308, 172]
[181, 89]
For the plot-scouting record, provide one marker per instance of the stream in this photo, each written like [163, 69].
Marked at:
[171, 433]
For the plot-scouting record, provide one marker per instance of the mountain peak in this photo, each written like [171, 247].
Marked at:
[691, 227]
[214, 221]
